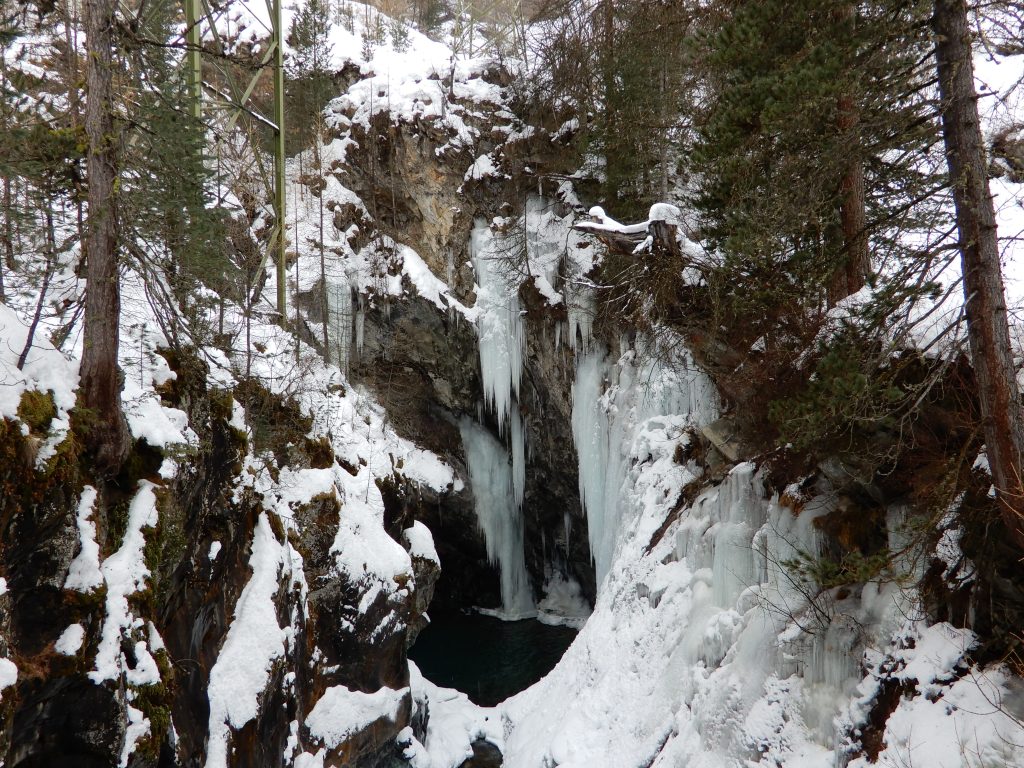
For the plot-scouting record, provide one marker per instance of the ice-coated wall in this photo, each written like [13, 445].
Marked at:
[611, 402]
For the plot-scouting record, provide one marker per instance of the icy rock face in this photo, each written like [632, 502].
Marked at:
[306, 592]
[611, 401]
[707, 647]
[499, 323]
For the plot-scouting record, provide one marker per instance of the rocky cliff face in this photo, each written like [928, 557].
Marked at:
[420, 360]
[110, 674]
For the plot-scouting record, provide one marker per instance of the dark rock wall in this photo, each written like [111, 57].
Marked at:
[56, 716]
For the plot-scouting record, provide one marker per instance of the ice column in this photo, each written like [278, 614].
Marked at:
[590, 433]
[339, 323]
[581, 307]
[498, 515]
[499, 325]
[610, 404]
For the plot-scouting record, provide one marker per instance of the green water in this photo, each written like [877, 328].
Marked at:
[487, 658]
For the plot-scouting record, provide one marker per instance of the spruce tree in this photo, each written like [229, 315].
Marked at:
[796, 146]
[310, 81]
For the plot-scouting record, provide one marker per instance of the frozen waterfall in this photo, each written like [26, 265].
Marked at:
[610, 401]
[499, 324]
[339, 323]
[499, 485]
[495, 492]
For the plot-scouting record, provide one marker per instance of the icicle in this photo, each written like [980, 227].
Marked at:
[604, 422]
[360, 321]
[590, 433]
[499, 325]
[339, 323]
[518, 459]
[581, 308]
[491, 479]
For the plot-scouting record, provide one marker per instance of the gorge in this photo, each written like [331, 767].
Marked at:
[484, 497]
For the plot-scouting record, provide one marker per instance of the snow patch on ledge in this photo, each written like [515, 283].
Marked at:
[124, 573]
[421, 542]
[342, 712]
[84, 575]
[254, 641]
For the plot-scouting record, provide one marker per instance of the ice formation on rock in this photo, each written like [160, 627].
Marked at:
[499, 323]
[498, 514]
[340, 321]
[610, 400]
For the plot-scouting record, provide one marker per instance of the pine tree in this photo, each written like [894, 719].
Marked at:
[987, 324]
[100, 391]
[170, 219]
[621, 66]
[794, 148]
[309, 85]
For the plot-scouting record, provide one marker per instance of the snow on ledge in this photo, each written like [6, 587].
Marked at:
[124, 573]
[342, 712]
[421, 542]
[84, 575]
[254, 641]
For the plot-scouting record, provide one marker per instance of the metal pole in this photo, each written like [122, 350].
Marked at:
[279, 181]
[194, 56]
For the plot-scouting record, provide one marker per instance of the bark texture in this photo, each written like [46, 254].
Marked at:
[987, 326]
[101, 379]
[853, 218]
[851, 276]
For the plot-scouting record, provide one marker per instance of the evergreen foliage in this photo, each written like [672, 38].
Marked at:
[309, 83]
[788, 110]
[169, 206]
[620, 68]
[772, 148]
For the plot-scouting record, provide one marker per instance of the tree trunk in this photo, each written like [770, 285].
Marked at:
[51, 263]
[850, 277]
[100, 375]
[851, 213]
[987, 326]
[611, 138]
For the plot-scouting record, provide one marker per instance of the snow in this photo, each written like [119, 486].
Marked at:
[46, 369]
[427, 285]
[703, 649]
[138, 728]
[421, 542]
[341, 712]
[84, 574]
[254, 641]
[124, 574]
[956, 713]
[454, 723]
[563, 603]
[498, 515]
[8, 675]
[611, 402]
[482, 167]
[70, 640]
[666, 212]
